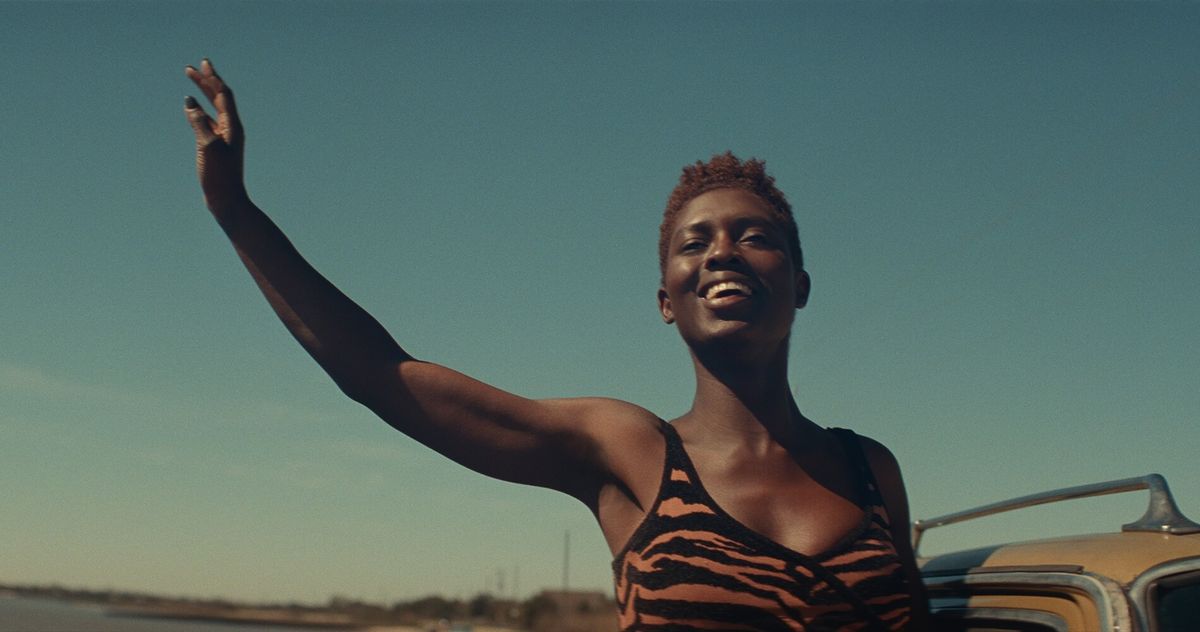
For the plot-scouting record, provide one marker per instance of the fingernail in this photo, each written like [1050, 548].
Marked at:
[190, 103]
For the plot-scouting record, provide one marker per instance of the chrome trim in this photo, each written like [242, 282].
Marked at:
[1112, 608]
[1016, 568]
[1139, 590]
[1017, 615]
[1162, 515]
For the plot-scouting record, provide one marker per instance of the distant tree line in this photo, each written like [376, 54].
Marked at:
[549, 610]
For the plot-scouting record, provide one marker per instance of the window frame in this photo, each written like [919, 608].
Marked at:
[982, 616]
[1111, 607]
[1143, 590]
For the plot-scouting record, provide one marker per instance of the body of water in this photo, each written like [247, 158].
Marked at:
[18, 614]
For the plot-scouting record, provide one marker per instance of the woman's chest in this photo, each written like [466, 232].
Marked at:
[784, 503]
[690, 560]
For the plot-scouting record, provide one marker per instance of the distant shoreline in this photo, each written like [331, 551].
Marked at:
[241, 615]
[548, 611]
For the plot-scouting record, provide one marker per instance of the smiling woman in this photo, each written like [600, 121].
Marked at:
[727, 254]
[740, 514]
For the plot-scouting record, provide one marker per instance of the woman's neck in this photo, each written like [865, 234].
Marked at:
[747, 403]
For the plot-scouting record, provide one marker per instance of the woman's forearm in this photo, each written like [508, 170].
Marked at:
[352, 347]
[347, 342]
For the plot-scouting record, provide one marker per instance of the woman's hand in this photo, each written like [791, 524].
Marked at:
[220, 144]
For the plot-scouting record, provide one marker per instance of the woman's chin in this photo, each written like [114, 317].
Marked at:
[738, 336]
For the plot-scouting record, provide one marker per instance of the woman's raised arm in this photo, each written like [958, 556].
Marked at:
[551, 443]
[351, 346]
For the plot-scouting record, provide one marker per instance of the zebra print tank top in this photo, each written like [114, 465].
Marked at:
[690, 566]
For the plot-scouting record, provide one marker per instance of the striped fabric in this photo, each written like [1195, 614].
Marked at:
[690, 566]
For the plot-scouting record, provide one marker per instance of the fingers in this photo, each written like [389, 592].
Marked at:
[213, 87]
[202, 125]
[206, 79]
[228, 125]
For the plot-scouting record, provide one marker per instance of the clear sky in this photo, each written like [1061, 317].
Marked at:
[998, 204]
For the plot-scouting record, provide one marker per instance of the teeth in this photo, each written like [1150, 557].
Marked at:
[727, 286]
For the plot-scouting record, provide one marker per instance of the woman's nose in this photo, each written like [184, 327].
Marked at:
[721, 252]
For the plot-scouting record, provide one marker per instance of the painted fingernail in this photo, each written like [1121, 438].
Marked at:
[190, 103]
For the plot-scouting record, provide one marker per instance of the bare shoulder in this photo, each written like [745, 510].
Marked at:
[601, 407]
[886, 469]
[610, 421]
[625, 447]
[883, 462]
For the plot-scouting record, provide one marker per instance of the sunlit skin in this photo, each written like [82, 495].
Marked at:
[762, 461]
[767, 465]
[731, 236]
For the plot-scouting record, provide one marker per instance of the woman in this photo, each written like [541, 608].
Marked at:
[795, 527]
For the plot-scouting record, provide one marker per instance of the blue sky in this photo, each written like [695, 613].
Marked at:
[998, 204]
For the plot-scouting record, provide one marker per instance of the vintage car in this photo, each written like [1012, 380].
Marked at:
[1143, 578]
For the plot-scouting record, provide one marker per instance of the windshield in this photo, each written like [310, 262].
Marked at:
[1177, 602]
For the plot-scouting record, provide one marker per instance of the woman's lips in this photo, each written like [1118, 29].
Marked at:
[725, 288]
[725, 294]
[726, 301]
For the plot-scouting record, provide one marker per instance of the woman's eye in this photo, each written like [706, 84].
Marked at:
[755, 238]
[690, 246]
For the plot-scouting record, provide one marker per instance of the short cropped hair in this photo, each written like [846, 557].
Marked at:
[726, 171]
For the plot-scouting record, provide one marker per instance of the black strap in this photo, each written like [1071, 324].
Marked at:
[676, 459]
[852, 445]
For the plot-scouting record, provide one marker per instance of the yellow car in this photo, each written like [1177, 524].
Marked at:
[1144, 578]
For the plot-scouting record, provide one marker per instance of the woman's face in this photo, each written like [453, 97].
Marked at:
[729, 273]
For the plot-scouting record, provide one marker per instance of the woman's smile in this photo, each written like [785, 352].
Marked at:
[723, 295]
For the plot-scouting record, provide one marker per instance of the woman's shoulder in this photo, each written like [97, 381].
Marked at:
[881, 463]
[877, 454]
[876, 451]
[609, 420]
[885, 469]
[606, 411]
[630, 443]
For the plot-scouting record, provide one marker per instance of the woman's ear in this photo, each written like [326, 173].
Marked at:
[803, 287]
[664, 307]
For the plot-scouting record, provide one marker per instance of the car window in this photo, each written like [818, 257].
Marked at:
[1178, 603]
